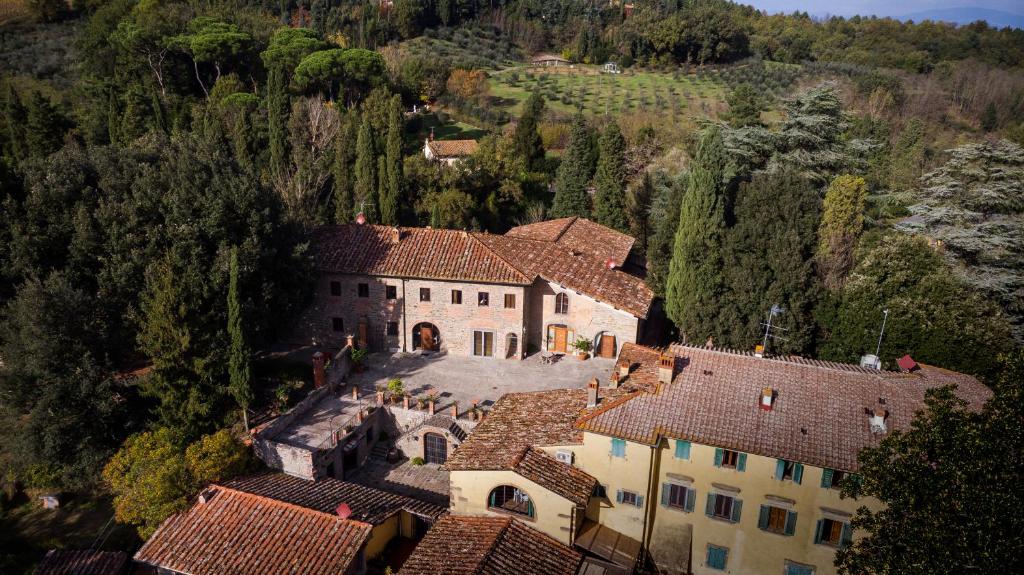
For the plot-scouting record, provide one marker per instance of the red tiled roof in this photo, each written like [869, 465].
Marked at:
[370, 505]
[485, 258]
[460, 545]
[817, 418]
[555, 476]
[453, 148]
[83, 562]
[246, 534]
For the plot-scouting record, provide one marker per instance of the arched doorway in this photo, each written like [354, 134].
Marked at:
[426, 336]
[604, 345]
[511, 346]
[435, 448]
[511, 499]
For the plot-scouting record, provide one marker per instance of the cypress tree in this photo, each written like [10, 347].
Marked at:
[841, 226]
[527, 142]
[343, 166]
[388, 209]
[392, 166]
[278, 110]
[42, 126]
[14, 126]
[664, 218]
[610, 180]
[238, 359]
[366, 172]
[571, 197]
[694, 284]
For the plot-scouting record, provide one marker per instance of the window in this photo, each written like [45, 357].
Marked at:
[618, 447]
[562, 303]
[793, 568]
[424, 294]
[721, 506]
[730, 459]
[391, 292]
[831, 478]
[337, 324]
[483, 299]
[627, 497]
[456, 296]
[777, 520]
[392, 328]
[682, 449]
[717, 557]
[364, 290]
[510, 301]
[678, 496]
[335, 288]
[483, 343]
[789, 471]
[833, 532]
[510, 500]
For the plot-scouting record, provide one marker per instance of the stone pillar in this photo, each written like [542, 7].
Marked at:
[430, 406]
[405, 402]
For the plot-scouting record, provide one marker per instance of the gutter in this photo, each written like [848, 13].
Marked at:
[648, 519]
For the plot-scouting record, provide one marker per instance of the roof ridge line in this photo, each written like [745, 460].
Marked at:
[288, 505]
[612, 404]
[473, 236]
[572, 220]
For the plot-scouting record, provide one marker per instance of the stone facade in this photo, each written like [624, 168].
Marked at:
[585, 318]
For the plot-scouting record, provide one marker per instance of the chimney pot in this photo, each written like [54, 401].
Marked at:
[623, 366]
[593, 387]
[455, 411]
[319, 370]
[355, 392]
[767, 399]
[666, 368]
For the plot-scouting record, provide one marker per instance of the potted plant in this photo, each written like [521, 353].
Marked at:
[582, 347]
[358, 357]
[395, 389]
[421, 402]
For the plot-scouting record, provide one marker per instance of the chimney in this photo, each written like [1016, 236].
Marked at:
[355, 393]
[360, 218]
[207, 495]
[877, 420]
[360, 416]
[455, 411]
[767, 398]
[666, 368]
[615, 378]
[343, 510]
[623, 368]
[610, 264]
[405, 401]
[398, 234]
[319, 370]
[592, 392]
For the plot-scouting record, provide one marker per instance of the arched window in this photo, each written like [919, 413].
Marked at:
[510, 500]
[562, 303]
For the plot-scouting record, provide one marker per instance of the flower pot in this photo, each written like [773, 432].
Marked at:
[582, 355]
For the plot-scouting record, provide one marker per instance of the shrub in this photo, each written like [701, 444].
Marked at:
[417, 461]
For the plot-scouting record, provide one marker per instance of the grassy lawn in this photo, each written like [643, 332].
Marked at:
[450, 130]
[27, 531]
[566, 89]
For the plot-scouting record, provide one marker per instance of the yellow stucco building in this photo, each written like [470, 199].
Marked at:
[698, 460]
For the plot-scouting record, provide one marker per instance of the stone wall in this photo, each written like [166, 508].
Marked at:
[586, 317]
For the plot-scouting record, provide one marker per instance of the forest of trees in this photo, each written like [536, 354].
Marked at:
[157, 197]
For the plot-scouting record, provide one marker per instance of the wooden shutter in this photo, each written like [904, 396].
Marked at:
[709, 510]
[741, 462]
[798, 473]
[691, 496]
[719, 453]
[618, 496]
[790, 522]
[666, 492]
[737, 505]
[780, 468]
[826, 478]
[818, 530]
[682, 449]
[762, 518]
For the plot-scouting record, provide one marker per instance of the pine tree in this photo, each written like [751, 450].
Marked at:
[694, 285]
[344, 165]
[744, 107]
[528, 144]
[278, 110]
[841, 225]
[366, 172]
[571, 197]
[392, 166]
[14, 126]
[610, 180]
[42, 126]
[238, 359]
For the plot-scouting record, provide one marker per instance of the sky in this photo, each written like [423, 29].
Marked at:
[880, 7]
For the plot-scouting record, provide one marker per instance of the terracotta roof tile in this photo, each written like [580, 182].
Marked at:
[460, 545]
[245, 534]
[83, 562]
[555, 476]
[818, 416]
[369, 505]
[579, 234]
[453, 148]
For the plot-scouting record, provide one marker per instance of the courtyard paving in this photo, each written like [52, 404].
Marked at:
[464, 379]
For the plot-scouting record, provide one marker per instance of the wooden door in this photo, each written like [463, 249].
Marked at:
[427, 337]
[561, 339]
[607, 346]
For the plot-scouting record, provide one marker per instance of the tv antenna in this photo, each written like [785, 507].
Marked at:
[885, 317]
[776, 310]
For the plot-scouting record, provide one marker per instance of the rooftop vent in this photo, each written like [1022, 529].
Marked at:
[907, 363]
[877, 421]
[871, 361]
[343, 510]
[767, 398]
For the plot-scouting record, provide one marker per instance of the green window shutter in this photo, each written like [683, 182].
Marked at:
[709, 510]
[737, 505]
[719, 452]
[741, 462]
[798, 473]
[682, 449]
[818, 529]
[493, 496]
[826, 478]
[618, 496]
[847, 535]
[790, 523]
[780, 468]
[716, 557]
[691, 496]
[639, 500]
[762, 518]
[666, 491]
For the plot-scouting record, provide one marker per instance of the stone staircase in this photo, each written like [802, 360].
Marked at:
[380, 451]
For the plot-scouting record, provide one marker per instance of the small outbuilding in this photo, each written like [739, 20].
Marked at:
[549, 61]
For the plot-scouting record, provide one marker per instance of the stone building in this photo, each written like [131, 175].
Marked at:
[448, 152]
[698, 460]
[538, 287]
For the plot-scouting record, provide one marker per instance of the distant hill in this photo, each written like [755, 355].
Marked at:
[967, 14]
